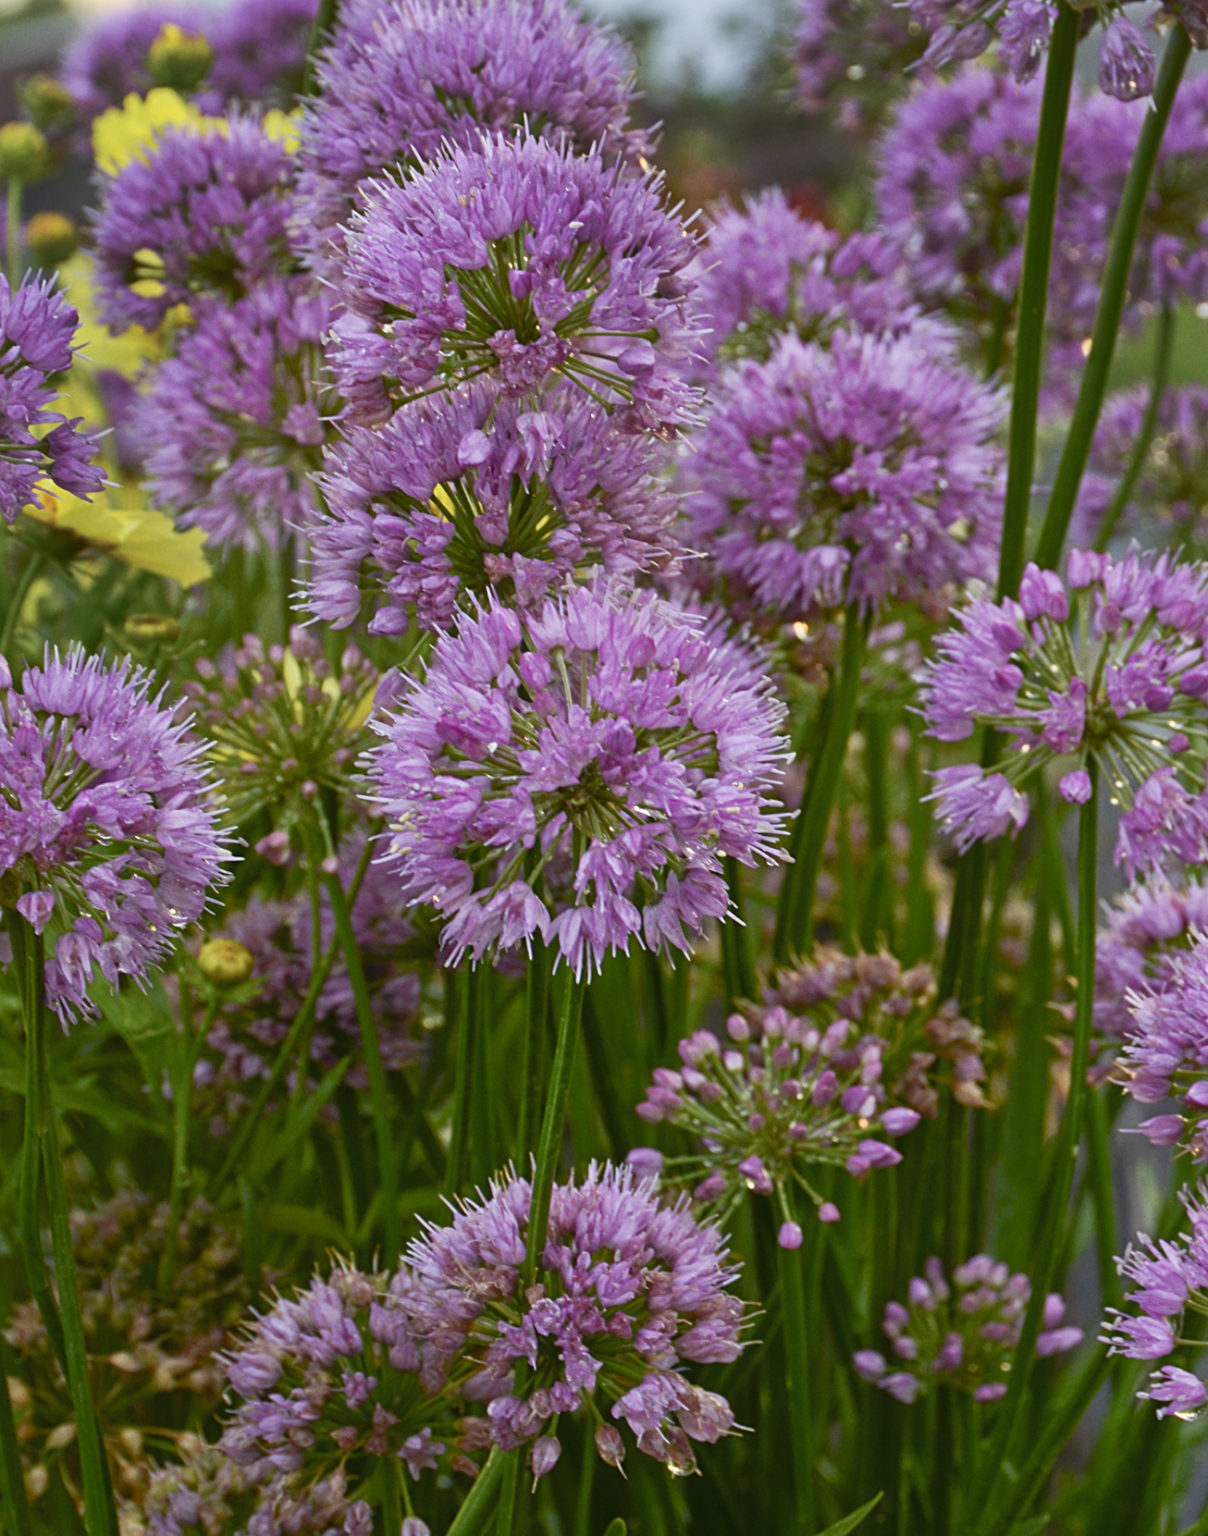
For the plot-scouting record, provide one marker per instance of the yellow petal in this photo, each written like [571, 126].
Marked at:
[137, 536]
[126, 133]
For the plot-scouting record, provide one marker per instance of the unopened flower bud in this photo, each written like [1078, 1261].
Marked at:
[150, 628]
[225, 962]
[178, 59]
[51, 238]
[545, 1454]
[24, 153]
[48, 102]
[610, 1445]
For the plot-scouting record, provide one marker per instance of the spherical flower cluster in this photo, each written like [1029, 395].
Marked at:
[961, 1335]
[628, 1293]
[1172, 487]
[206, 213]
[1107, 668]
[284, 723]
[260, 51]
[517, 261]
[1171, 1279]
[108, 59]
[578, 773]
[1172, 245]
[830, 1063]
[1146, 928]
[36, 330]
[861, 473]
[108, 837]
[204, 1494]
[278, 941]
[149, 1358]
[445, 504]
[233, 426]
[401, 81]
[764, 270]
[1165, 1054]
[854, 59]
[335, 1382]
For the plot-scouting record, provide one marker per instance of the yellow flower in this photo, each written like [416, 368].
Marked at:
[284, 128]
[126, 133]
[137, 536]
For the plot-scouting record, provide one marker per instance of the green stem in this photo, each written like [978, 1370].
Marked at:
[794, 920]
[1163, 346]
[325, 21]
[14, 1506]
[791, 1266]
[379, 1095]
[12, 231]
[461, 1161]
[1053, 1223]
[33, 566]
[182, 1107]
[735, 950]
[536, 1048]
[1111, 303]
[1033, 296]
[549, 1147]
[476, 1505]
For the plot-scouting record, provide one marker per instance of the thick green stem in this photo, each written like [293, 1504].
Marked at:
[795, 919]
[1033, 296]
[461, 1149]
[793, 1303]
[379, 1094]
[1052, 1228]
[549, 1147]
[476, 1505]
[536, 1048]
[1111, 303]
[182, 1108]
[735, 950]
[1163, 346]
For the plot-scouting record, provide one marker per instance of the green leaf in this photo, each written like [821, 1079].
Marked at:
[857, 1517]
[147, 1023]
[616, 1528]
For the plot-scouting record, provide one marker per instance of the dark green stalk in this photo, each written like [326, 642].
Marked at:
[12, 230]
[325, 20]
[1034, 294]
[794, 920]
[735, 949]
[461, 1150]
[1111, 302]
[1163, 346]
[1051, 1232]
[549, 1147]
[182, 1106]
[536, 1048]
[793, 1308]
[379, 1095]
[476, 1505]
[33, 565]
[14, 1506]
[875, 925]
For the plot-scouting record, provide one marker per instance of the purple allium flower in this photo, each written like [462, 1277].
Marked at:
[108, 834]
[402, 81]
[835, 1058]
[205, 1494]
[854, 57]
[233, 426]
[331, 1380]
[1172, 244]
[1107, 667]
[863, 473]
[578, 772]
[1172, 487]
[108, 59]
[1127, 67]
[1170, 1277]
[1146, 928]
[206, 214]
[516, 261]
[961, 1334]
[1024, 32]
[284, 723]
[629, 1292]
[259, 51]
[445, 504]
[36, 330]
[764, 269]
[1165, 1054]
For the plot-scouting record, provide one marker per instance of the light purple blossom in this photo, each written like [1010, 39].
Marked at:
[259, 51]
[519, 262]
[862, 473]
[577, 773]
[1145, 929]
[36, 330]
[1107, 667]
[108, 836]
[1172, 488]
[961, 1333]
[107, 61]
[1165, 1054]
[445, 504]
[1127, 67]
[853, 58]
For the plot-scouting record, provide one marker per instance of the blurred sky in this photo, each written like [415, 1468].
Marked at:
[709, 42]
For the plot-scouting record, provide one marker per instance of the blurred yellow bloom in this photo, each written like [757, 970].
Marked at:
[137, 536]
[284, 128]
[126, 133]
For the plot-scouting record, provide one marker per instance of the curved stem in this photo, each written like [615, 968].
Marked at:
[549, 1147]
[12, 617]
[1111, 303]
[794, 920]
[1033, 296]
[1163, 346]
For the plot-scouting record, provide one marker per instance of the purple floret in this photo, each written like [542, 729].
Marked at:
[108, 832]
[108, 60]
[206, 215]
[521, 263]
[259, 51]
[577, 773]
[1145, 930]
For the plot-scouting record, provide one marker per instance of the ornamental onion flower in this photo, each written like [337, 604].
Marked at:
[853, 58]
[232, 427]
[519, 262]
[1170, 1278]
[260, 51]
[108, 836]
[400, 81]
[865, 473]
[1107, 668]
[630, 1293]
[577, 773]
[1165, 1054]
[36, 330]
[961, 1334]
[838, 1056]
[1172, 488]
[445, 504]
[1145, 929]
[206, 213]
[108, 59]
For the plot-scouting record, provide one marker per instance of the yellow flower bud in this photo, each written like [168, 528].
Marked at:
[178, 59]
[24, 152]
[51, 238]
[225, 962]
